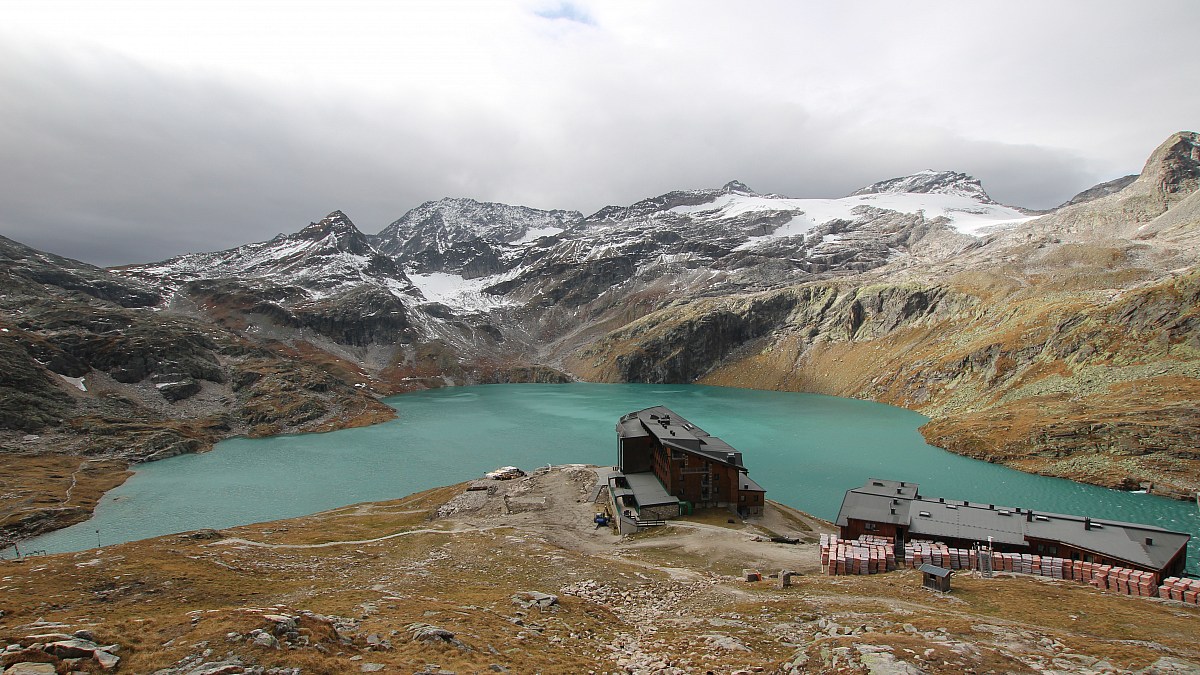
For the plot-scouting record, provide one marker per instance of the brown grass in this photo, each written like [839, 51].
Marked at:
[29, 484]
[145, 595]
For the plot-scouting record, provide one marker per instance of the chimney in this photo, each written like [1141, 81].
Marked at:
[1087, 523]
[1029, 516]
[992, 507]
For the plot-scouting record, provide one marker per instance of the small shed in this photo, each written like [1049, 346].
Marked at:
[935, 578]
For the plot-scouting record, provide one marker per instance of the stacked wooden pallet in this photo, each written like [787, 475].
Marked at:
[1183, 590]
[872, 555]
[867, 555]
[917, 553]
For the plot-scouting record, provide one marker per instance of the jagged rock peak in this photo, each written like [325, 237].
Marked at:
[337, 231]
[336, 222]
[440, 224]
[737, 186]
[1174, 167]
[931, 182]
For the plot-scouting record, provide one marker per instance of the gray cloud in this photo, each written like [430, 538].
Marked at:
[113, 155]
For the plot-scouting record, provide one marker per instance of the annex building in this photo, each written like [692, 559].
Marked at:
[666, 464]
[897, 510]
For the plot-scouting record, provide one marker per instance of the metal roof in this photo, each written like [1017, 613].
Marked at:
[745, 482]
[673, 431]
[934, 570]
[1127, 541]
[935, 518]
[873, 507]
[631, 428]
[647, 489]
[879, 501]
[889, 488]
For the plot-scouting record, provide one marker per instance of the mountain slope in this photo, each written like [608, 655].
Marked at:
[1049, 347]
[1064, 343]
[931, 182]
[94, 375]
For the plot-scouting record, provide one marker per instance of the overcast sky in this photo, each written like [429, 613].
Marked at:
[133, 131]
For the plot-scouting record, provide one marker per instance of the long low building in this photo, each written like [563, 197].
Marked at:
[690, 464]
[897, 510]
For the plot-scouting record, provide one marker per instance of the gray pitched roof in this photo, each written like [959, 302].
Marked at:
[930, 517]
[955, 519]
[673, 431]
[934, 570]
[648, 491]
[747, 483]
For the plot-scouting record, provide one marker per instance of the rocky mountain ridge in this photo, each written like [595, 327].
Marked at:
[1064, 343]
[1066, 346]
[930, 181]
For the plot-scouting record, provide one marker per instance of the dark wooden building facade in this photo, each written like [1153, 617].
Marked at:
[691, 464]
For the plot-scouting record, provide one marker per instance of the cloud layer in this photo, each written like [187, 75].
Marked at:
[137, 131]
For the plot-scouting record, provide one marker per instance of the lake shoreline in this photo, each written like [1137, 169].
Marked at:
[755, 398]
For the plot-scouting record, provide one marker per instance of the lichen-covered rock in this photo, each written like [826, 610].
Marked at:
[423, 632]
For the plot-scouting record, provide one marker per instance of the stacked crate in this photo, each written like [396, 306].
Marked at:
[1183, 590]
[917, 553]
[867, 555]
[872, 555]
[1115, 579]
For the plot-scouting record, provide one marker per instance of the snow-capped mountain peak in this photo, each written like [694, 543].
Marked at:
[931, 182]
[737, 186]
[439, 225]
[324, 258]
[335, 231]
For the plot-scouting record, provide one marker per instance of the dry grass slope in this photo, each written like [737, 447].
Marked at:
[665, 602]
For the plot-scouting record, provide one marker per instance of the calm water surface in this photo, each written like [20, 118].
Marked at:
[805, 449]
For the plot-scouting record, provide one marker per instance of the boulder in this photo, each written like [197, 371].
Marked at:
[106, 660]
[423, 632]
[73, 648]
[49, 637]
[530, 599]
[233, 667]
[265, 640]
[30, 669]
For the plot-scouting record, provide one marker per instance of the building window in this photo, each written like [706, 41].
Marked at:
[870, 527]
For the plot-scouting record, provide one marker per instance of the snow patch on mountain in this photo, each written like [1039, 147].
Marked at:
[533, 234]
[966, 214]
[76, 382]
[459, 293]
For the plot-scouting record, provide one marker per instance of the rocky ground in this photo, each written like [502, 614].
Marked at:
[516, 578]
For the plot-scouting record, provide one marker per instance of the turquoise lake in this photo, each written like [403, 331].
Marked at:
[805, 449]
